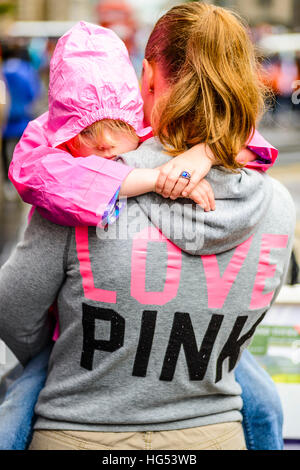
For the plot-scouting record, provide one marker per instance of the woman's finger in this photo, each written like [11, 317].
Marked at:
[179, 187]
[171, 181]
[195, 179]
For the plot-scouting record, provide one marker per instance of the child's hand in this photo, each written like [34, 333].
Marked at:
[197, 161]
[204, 196]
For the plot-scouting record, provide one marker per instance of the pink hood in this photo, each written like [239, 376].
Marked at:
[91, 78]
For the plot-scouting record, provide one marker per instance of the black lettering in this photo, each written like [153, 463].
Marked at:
[145, 344]
[183, 334]
[90, 343]
[233, 344]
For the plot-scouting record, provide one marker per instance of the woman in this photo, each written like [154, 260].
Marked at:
[62, 277]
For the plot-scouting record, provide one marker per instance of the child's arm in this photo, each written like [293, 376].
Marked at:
[139, 181]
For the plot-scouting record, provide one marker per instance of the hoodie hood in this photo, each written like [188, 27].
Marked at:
[91, 78]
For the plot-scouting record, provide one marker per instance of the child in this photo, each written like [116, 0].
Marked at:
[95, 110]
[110, 94]
[109, 138]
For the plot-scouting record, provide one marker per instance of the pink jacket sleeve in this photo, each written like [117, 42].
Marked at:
[267, 154]
[66, 190]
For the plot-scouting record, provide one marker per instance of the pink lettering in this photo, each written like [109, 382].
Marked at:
[138, 268]
[83, 253]
[265, 270]
[219, 287]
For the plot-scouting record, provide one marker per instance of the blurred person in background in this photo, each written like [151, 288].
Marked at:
[286, 76]
[281, 72]
[3, 101]
[119, 16]
[296, 88]
[270, 66]
[24, 87]
[37, 50]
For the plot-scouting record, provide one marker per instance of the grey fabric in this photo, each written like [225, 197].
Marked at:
[160, 355]
[242, 199]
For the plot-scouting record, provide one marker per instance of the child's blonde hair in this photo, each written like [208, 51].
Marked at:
[94, 135]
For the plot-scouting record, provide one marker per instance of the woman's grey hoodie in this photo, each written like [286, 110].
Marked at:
[154, 310]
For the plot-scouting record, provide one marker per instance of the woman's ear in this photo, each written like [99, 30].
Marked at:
[148, 77]
[148, 91]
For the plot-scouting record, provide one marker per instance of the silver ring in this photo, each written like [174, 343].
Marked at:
[186, 175]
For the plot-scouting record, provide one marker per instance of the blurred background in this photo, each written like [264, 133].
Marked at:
[28, 34]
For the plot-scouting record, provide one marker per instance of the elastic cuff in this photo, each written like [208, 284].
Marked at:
[109, 187]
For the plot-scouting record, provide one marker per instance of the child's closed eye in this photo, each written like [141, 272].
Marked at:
[103, 148]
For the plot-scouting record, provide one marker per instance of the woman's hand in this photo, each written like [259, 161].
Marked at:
[203, 195]
[197, 161]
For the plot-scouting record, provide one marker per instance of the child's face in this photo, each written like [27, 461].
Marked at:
[114, 142]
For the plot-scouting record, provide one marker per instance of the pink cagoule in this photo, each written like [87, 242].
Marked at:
[91, 78]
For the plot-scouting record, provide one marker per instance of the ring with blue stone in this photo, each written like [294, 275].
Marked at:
[186, 175]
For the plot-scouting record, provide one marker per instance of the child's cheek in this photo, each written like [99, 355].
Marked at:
[82, 151]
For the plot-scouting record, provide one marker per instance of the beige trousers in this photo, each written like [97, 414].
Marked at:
[227, 436]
